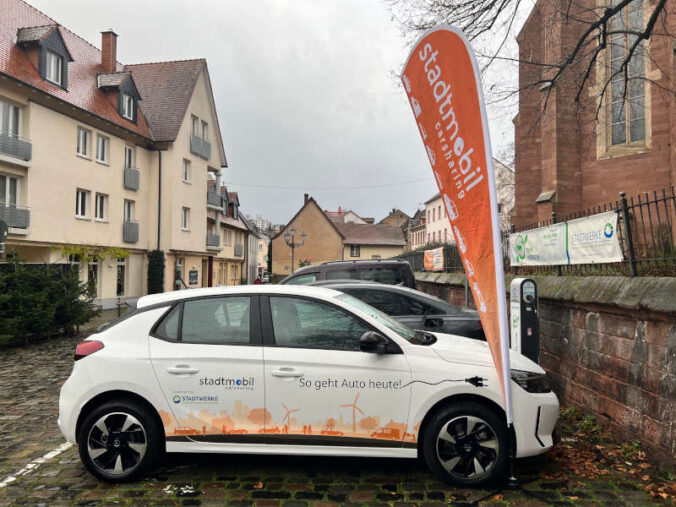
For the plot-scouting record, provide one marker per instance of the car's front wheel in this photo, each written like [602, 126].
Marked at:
[466, 443]
[119, 440]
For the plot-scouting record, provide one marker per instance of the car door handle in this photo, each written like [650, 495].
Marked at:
[287, 372]
[182, 369]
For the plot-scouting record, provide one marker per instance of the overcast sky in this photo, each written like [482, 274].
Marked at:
[305, 90]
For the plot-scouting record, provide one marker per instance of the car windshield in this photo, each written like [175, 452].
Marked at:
[399, 328]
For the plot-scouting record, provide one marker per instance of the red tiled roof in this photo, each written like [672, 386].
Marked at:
[166, 89]
[82, 90]
[367, 234]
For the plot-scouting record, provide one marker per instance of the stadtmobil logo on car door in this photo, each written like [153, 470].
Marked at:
[441, 81]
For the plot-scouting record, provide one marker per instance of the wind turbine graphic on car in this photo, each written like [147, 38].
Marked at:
[354, 412]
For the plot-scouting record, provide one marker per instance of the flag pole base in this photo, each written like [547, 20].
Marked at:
[512, 481]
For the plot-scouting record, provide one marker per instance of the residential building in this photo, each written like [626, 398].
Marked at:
[229, 264]
[348, 216]
[579, 154]
[330, 238]
[437, 225]
[417, 236]
[396, 217]
[101, 162]
[253, 240]
[263, 245]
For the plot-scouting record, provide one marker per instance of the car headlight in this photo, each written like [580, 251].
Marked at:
[531, 382]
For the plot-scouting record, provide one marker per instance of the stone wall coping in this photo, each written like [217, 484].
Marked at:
[657, 294]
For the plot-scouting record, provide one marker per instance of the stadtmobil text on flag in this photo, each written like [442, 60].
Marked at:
[442, 84]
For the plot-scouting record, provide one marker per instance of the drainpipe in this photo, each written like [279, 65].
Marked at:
[159, 200]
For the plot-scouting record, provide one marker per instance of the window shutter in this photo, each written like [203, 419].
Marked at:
[120, 102]
[64, 72]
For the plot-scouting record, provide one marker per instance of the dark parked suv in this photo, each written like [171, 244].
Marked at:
[391, 271]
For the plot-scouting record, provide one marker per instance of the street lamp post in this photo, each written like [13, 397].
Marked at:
[290, 238]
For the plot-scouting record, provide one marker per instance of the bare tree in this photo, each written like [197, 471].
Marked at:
[609, 35]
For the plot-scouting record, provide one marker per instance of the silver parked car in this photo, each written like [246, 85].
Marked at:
[414, 308]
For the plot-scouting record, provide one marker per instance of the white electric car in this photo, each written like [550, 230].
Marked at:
[294, 370]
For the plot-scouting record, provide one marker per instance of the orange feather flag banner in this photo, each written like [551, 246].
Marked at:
[441, 79]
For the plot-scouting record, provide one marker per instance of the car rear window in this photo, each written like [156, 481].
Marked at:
[302, 279]
[391, 276]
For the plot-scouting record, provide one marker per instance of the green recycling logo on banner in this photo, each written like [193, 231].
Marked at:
[515, 321]
[520, 247]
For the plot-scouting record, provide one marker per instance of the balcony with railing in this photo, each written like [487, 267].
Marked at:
[130, 231]
[200, 147]
[214, 200]
[16, 147]
[132, 178]
[18, 217]
[213, 241]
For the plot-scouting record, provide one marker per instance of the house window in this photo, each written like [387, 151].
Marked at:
[233, 271]
[101, 207]
[228, 237]
[102, 143]
[354, 251]
[127, 106]
[129, 210]
[129, 156]
[84, 137]
[195, 125]
[627, 107]
[205, 128]
[186, 171]
[121, 276]
[81, 203]
[54, 68]
[9, 190]
[10, 119]
[185, 219]
[439, 212]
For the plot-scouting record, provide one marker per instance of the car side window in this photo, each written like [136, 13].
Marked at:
[303, 279]
[168, 328]
[302, 323]
[218, 321]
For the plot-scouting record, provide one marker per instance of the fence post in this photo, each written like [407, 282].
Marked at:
[559, 272]
[514, 270]
[627, 231]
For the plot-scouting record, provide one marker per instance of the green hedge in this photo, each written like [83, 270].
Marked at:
[41, 300]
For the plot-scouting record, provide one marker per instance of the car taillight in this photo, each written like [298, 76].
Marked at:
[86, 348]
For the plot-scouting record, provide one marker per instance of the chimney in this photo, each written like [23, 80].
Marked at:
[109, 51]
[306, 198]
[340, 210]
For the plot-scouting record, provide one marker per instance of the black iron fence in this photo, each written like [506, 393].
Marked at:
[646, 228]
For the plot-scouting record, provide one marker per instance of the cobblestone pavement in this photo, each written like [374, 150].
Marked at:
[29, 382]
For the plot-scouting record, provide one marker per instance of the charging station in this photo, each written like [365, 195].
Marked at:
[524, 318]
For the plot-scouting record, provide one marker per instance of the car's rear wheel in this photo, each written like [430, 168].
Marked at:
[119, 440]
[467, 444]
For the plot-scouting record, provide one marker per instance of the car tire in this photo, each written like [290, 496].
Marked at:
[119, 440]
[468, 458]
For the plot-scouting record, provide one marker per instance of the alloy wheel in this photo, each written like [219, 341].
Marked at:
[467, 447]
[116, 443]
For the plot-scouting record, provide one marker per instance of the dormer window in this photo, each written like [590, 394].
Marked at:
[127, 106]
[46, 50]
[54, 70]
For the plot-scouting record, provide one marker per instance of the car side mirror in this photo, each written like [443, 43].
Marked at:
[371, 341]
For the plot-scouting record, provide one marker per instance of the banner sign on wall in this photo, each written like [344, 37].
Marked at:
[441, 79]
[434, 259]
[588, 240]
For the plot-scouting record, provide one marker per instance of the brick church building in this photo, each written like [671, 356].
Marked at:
[578, 154]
